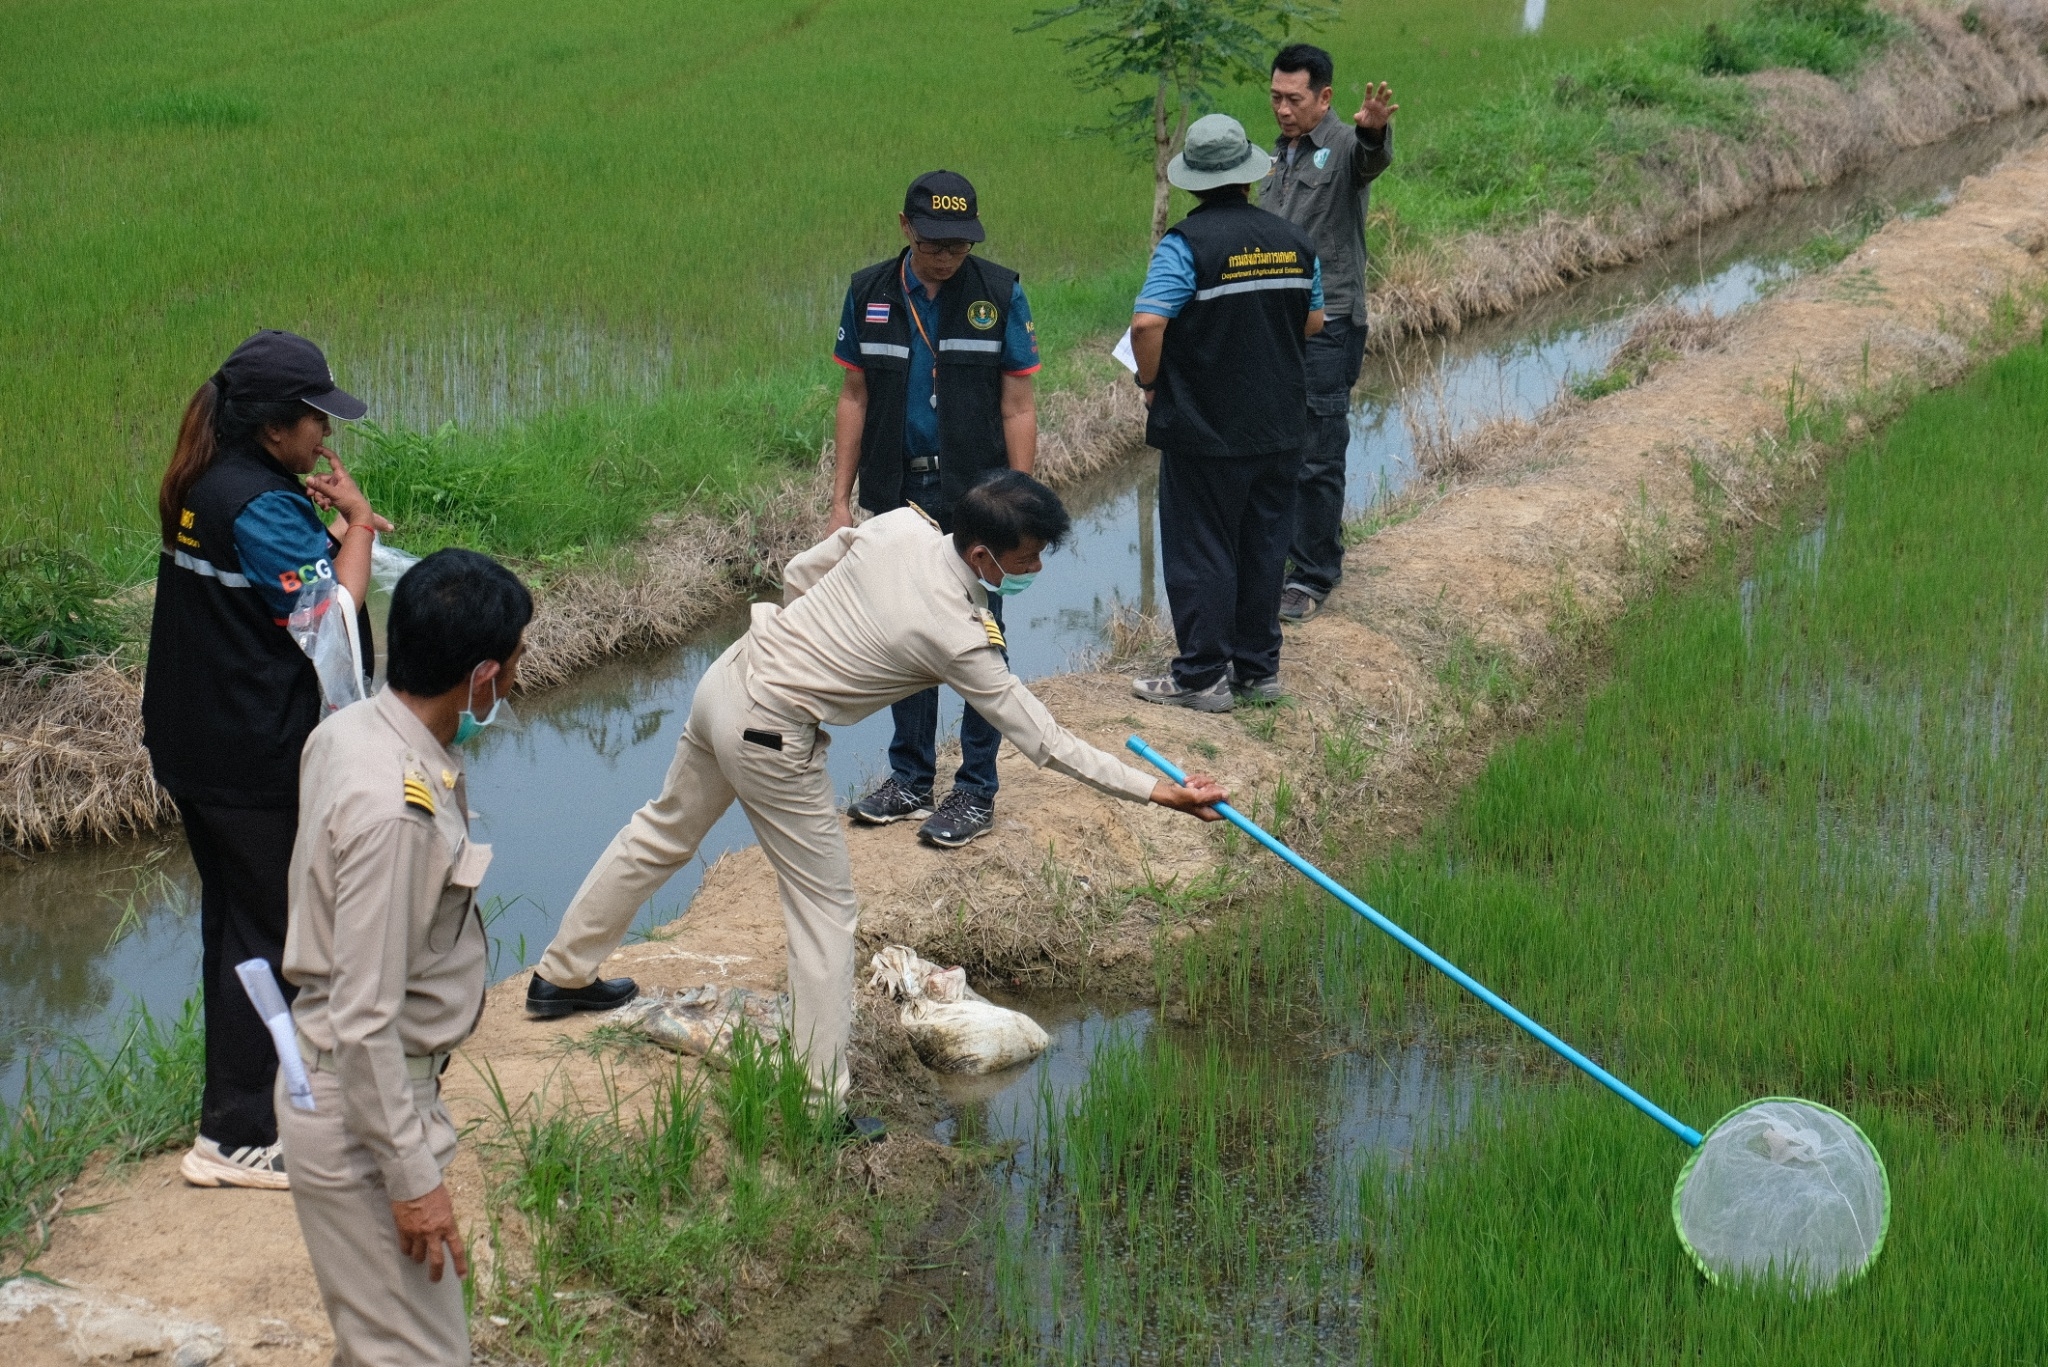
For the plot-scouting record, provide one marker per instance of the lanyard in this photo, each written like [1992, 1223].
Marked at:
[903, 272]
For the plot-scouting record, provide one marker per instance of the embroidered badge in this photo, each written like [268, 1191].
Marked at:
[878, 311]
[1322, 157]
[982, 314]
[447, 778]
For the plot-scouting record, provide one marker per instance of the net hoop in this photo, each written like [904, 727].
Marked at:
[1884, 1176]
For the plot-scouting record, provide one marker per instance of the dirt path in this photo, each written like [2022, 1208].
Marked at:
[1556, 526]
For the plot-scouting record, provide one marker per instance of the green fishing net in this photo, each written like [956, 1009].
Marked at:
[1786, 1191]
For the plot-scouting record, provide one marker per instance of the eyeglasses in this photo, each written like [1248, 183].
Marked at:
[950, 247]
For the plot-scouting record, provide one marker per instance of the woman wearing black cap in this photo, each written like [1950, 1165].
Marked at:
[230, 697]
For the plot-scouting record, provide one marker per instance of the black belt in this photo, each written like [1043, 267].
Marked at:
[918, 465]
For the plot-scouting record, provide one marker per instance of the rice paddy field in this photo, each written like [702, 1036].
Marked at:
[1787, 847]
[586, 260]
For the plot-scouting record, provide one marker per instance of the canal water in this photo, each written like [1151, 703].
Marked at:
[90, 934]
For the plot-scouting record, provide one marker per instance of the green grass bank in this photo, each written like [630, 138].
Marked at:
[1787, 846]
[588, 261]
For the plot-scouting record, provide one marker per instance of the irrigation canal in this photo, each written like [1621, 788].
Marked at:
[89, 933]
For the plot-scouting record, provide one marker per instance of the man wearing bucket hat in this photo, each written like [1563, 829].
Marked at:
[939, 350]
[1232, 296]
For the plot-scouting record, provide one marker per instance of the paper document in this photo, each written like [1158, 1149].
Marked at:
[269, 1003]
[1124, 353]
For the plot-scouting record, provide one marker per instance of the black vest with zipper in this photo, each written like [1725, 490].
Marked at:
[229, 698]
[973, 311]
[1231, 380]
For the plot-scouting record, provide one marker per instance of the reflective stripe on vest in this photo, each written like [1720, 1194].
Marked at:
[967, 344]
[206, 568]
[901, 353]
[1300, 282]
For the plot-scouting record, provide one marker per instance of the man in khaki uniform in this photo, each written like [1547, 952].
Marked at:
[388, 949]
[871, 614]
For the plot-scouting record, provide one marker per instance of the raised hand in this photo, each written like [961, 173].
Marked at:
[1377, 110]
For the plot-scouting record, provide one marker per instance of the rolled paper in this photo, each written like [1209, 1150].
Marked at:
[261, 986]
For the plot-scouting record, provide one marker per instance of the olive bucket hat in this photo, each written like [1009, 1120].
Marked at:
[1217, 152]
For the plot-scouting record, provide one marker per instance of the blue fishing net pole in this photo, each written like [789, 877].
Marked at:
[1780, 1190]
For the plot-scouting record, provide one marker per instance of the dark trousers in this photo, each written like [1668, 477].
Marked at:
[244, 857]
[1223, 529]
[914, 749]
[1334, 358]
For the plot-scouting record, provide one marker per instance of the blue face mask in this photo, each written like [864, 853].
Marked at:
[1013, 584]
[466, 723]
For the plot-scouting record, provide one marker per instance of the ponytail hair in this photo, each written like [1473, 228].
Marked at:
[198, 441]
[212, 421]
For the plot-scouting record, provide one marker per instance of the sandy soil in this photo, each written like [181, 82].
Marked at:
[1555, 525]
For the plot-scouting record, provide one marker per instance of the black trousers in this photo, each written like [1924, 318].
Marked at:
[244, 857]
[1224, 525]
[1335, 356]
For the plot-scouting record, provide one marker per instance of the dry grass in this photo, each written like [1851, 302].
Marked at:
[71, 756]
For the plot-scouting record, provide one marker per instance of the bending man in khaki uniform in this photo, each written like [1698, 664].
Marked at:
[387, 948]
[872, 614]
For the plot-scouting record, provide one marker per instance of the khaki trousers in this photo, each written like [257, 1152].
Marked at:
[787, 797]
[384, 1311]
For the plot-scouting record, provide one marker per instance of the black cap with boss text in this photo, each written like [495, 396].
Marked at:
[940, 207]
[277, 367]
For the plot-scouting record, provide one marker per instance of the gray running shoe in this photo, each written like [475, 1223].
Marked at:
[206, 1164]
[1259, 692]
[890, 802]
[1298, 604]
[960, 818]
[1215, 698]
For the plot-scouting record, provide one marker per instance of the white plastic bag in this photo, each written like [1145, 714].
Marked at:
[953, 1028]
[323, 622]
[387, 566]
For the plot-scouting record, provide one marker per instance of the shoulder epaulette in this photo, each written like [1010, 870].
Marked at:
[922, 513]
[995, 631]
[418, 794]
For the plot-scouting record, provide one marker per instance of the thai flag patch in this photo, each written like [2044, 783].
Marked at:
[878, 312]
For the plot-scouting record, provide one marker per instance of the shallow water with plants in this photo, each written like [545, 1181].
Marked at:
[1786, 847]
[89, 933]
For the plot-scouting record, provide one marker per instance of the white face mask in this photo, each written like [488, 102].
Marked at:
[467, 723]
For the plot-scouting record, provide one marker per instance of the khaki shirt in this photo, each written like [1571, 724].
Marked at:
[385, 941]
[878, 612]
[1326, 190]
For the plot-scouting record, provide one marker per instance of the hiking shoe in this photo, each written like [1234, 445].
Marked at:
[1298, 604]
[206, 1164]
[1215, 698]
[1259, 692]
[545, 1001]
[960, 818]
[890, 802]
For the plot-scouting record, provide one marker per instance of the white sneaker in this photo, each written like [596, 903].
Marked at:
[206, 1165]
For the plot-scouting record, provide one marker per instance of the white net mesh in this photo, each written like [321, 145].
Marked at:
[1783, 1188]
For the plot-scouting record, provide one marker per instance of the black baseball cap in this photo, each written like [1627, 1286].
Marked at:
[940, 206]
[277, 367]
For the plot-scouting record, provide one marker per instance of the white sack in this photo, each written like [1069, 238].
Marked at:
[953, 1028]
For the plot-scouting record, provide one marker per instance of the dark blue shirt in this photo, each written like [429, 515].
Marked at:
[283, 546]
[920, 413]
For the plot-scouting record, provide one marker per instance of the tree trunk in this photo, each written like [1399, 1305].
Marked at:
[1162, 153]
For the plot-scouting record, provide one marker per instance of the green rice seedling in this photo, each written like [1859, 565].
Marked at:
[745, 1088]
[547, 248]
[76, 1100]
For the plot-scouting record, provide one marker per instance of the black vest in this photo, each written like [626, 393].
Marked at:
[1231, 377]
[973, 314]
[229, 697]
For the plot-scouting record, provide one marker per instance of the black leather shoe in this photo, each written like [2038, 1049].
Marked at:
[545, 1001]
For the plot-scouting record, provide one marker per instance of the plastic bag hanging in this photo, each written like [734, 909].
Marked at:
[388, 565]
[323, 622]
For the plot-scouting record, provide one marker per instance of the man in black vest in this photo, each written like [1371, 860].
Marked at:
[939, 351]
[1220, 330]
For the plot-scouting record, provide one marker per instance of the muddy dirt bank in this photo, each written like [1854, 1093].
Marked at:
[71, 764]
[1452, 625]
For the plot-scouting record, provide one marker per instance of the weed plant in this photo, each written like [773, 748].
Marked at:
[645, 1203]
[533, 222]
[1789, 847]
[134, 1100]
